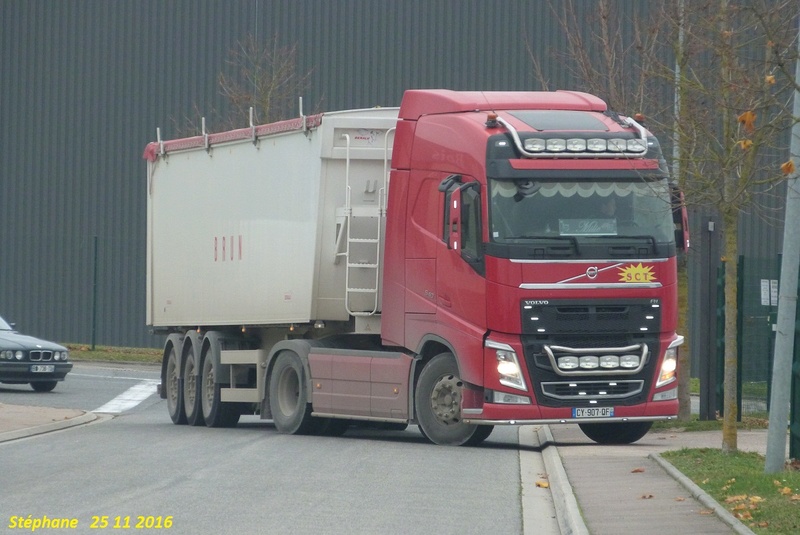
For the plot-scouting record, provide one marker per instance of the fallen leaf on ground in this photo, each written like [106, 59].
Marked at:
[647, 496]
[737, 498]
[542, 484]
[637, 470]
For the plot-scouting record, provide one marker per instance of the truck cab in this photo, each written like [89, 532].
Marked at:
[535, 244]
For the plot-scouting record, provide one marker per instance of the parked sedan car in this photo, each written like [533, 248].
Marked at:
[25, 359]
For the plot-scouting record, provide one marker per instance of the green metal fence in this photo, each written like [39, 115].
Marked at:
[757, 315]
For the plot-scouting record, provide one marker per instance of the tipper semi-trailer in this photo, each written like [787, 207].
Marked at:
[466, 260]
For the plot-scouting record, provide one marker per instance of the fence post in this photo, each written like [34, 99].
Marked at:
[94, 296]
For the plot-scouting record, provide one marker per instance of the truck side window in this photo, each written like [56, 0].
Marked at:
[471, 250]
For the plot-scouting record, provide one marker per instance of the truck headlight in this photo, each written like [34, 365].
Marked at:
[508, 367]
[668, 367]
[568, 363]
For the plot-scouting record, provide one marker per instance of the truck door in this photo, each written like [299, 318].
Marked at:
[460, 283]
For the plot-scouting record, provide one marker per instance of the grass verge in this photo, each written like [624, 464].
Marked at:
[695, 424]
[766, 503]
[83, 352]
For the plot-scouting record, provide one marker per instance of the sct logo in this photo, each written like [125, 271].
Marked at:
[636, 273]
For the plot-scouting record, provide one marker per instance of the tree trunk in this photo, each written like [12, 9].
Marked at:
[684, 395]
[729, 402]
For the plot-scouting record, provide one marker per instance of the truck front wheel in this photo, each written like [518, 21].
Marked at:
[174, 394]
[438, 405]
[288, 396]
[215, 412]
[616, 432]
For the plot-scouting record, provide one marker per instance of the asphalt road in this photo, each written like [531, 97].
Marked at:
[135, 467]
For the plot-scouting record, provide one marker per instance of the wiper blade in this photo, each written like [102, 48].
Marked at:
[572, 239]
[646, 237]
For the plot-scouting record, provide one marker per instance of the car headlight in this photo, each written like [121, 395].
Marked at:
[18, 355]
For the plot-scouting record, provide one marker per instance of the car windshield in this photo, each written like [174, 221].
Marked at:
[581, 212]
[5, 326]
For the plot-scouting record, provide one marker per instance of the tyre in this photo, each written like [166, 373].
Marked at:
[332, 427]
[392, 426]
[191, 390]
[438, 405]
[44, 386]
[480, 435]
[215, 412]
[288, 396]
[174, 392]
[616, 432]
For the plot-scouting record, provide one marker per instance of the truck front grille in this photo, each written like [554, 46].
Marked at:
[596, 328]
[597, 390]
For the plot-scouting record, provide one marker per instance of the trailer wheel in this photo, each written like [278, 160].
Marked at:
[616, 432]
[438, 403]
[215, 412]
[191, 390]
[172, 384]
[288, 397]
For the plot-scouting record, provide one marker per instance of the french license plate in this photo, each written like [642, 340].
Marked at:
[593, 412]
[43, 368]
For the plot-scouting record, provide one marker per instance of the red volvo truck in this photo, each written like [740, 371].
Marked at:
[470, 259]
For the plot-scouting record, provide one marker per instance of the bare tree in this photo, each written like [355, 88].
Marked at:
[734, 87]
[262, 76]
[735, 110]
[266, 79]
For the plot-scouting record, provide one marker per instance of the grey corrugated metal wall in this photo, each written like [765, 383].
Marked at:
[84, 83]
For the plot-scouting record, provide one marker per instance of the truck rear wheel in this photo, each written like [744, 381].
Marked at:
[288, 396]
[616, 432]
[438, 404]
[174, 393]
[191, 390]
[215, 412]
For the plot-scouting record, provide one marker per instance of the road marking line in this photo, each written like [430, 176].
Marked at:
[112, 377]
[130, 398]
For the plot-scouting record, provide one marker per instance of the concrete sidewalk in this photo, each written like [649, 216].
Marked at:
[20, 421]
[632, 489]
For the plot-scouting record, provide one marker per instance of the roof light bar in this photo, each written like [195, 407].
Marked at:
[578, 147]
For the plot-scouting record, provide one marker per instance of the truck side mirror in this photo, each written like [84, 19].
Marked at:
[454, 218]
[680, 218]
[451, 187]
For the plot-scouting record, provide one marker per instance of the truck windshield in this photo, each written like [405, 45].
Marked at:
[585, 212]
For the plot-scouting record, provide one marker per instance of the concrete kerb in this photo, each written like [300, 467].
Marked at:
[570, 519]
[701, 496]
[24, 432]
